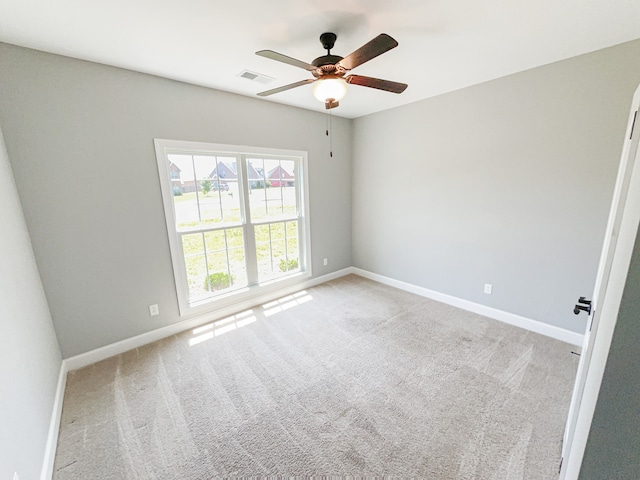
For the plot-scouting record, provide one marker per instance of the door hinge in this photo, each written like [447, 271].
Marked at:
[633, 124]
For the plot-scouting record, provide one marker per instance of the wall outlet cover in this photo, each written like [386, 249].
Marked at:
[154, 310]
[325, 261]
[488, 288]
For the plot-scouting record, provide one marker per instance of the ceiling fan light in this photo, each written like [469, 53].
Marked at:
[325, 88]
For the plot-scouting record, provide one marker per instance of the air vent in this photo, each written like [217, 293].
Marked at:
[255, 77]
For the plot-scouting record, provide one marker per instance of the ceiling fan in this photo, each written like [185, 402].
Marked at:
[330, 70]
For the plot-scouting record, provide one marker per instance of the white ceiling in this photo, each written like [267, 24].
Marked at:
[444, 44]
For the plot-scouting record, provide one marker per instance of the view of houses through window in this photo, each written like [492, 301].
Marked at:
[237, 219]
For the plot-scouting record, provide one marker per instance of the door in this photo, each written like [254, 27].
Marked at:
[620, 235]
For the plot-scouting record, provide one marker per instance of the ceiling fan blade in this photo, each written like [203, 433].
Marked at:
[382, 43]
[286, 87]
[284, 59]
[385, 85]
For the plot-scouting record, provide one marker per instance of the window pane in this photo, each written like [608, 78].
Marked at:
[263, 252]
[293, 254]
[277, 240]
[273, 192]
[286, 183]
[183, 188]
[277, 249]
[257, 188]
[219, 201]
[225, 259]
[205, 190]
[195, 263]
[216, 251]
[237, 262]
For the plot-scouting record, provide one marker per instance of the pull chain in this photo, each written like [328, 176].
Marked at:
[329, 133]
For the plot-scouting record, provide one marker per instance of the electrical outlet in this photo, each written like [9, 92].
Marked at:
[325, 261]
[488, 288]
[154, 310]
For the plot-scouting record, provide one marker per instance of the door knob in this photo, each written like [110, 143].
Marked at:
[583, 305]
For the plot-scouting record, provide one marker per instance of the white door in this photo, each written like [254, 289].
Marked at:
[620, 236]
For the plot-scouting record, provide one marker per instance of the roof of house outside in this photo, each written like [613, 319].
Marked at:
[279, 172]
[225, 168]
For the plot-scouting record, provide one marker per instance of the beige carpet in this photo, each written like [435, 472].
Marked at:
[347, 378]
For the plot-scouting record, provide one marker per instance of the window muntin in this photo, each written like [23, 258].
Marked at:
[277, 249]
[237, 219]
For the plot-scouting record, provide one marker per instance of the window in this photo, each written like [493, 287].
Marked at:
[237, 220]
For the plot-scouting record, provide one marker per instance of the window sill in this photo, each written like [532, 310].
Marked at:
[242, 296]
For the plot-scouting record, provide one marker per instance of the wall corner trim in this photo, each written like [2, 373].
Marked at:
[54, 425]
[512, 319]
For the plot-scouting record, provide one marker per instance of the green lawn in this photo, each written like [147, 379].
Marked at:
[224, 249]
[219, 207]
[271, 249]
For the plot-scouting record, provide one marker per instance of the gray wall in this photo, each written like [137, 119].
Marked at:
[80, 139]
[29, 353]
[508, 182]
[613, 446]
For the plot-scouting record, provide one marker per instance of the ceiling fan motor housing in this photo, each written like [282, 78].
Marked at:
[327, 64]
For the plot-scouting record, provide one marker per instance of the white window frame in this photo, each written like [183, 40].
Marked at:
[166, 147]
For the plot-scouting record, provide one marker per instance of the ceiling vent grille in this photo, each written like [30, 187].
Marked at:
[255, 77]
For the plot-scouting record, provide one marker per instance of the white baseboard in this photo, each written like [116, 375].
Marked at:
[93, 356]
[512, 319]
[54, 425]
